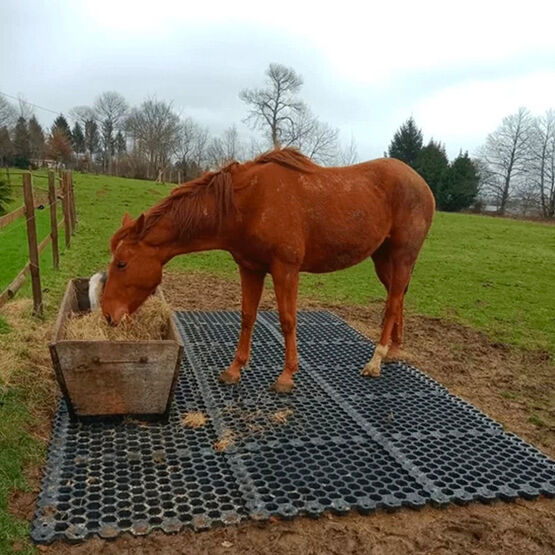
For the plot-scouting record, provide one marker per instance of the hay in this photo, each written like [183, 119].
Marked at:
[282, 416]
[194, 420]
[226, 440]
[150, 322]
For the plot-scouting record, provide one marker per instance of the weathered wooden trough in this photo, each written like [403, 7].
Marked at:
[107, 378]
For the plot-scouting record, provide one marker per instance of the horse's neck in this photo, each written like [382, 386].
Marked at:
[168, 236]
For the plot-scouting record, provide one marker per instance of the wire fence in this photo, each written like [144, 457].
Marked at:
[37, 197]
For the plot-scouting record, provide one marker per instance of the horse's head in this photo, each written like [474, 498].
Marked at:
[135, 271]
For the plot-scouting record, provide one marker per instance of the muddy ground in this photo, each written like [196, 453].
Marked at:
[510, 385]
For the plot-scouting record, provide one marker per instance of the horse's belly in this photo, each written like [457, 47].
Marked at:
[330, 258]
[343, 231]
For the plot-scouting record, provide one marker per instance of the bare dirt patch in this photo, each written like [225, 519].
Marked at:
[510, 385]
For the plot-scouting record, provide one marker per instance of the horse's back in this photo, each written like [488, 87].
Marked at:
[332, 218]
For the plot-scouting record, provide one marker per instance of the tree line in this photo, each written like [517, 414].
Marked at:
[151, 139]
[515, 166]
[513, 171]
[454, 184]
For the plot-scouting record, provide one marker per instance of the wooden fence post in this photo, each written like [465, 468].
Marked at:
[179, 177]
[65, 205]
[72, 203]
[52, 199]
[32, 240]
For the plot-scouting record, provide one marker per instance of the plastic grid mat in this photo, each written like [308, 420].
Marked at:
[339, 442]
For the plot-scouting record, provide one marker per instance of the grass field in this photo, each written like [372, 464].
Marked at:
[495, 275]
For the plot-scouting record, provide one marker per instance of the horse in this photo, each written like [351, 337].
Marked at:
[281, 214]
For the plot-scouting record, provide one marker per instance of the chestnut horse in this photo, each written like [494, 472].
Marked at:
[281, 214]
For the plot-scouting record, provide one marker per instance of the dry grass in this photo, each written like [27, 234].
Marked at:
[226, 440]
[194, 420]
[150, 322]
[25, 345]
[282, 416]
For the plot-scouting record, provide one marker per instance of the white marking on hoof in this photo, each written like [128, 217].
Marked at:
[373, 368]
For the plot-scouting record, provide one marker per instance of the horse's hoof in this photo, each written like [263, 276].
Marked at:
[228, 378]
[371, 371]
[283, 387]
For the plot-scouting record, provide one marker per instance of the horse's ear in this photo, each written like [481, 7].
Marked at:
[127, 219]
[139, 225]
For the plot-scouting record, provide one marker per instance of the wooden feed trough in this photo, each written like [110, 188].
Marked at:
[104, 378]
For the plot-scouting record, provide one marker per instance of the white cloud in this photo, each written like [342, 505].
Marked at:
[366, 42]
[464, 114]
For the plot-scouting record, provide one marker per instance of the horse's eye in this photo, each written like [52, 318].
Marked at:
[121, 265]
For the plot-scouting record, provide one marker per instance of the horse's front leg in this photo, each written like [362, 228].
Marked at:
[286, 285]
[252, 284]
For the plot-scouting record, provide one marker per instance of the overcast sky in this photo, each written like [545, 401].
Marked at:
[456, 67]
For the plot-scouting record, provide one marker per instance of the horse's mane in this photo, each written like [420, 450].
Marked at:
[187, 203]
[288, 157]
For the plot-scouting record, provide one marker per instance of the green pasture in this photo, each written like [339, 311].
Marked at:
[497, 275]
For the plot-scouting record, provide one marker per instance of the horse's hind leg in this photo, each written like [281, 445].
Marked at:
[286, 285]
[402, 264]
[252, 284]
[383, 263]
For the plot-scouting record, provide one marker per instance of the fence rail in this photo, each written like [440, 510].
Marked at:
[69, 221]
[10, 217]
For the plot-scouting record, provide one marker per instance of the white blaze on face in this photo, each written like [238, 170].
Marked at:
[96, 286]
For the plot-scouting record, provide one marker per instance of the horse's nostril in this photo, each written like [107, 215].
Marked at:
[108, 318]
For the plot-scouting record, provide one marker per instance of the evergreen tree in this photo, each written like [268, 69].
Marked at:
[120, 144]
[432, 164]
[5, 196]
[36, 138]
[78, 139]
[92, 137]
[21, 144]
[60, 123]
[460, 187]
[406, 143]
[6, 147]
[107, 143]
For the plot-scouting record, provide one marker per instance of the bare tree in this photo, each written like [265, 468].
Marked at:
[316, 139]
[274, 107]
[111, 106]
[8, 114]
[155, 128]
[192, 147]
[110, 109]
[348, 154]
[506, 154]
[25, 110]
[255, 148]
[542, 164]
[82, 114]
[526, 197]
[225, 149]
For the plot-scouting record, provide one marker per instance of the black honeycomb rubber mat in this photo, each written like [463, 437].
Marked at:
[339, 442]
